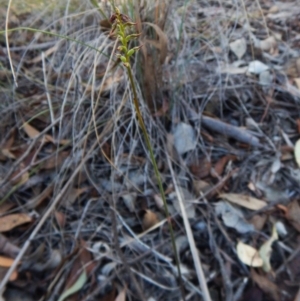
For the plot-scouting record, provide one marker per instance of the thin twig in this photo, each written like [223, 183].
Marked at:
[7, 43]
[193, 248]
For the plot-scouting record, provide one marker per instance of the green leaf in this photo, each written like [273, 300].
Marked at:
[75, 287]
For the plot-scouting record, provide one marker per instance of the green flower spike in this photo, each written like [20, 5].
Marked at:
[120, 24]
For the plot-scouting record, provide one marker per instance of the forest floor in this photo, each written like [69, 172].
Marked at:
[81, 215]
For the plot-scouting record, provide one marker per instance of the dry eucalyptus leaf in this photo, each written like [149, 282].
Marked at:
[297, 82]
[231, 69]
[7, 248]
[265, 78]
[159, 201]
[268, 44]
[257, 67]
[244, 201]
[238, 47]
[122, 295]
[150, 219]
[11, 221]
[233, 218]
[129, 200]
[74, 194]
[297, 152]
[184, 138]
[33, 133]
[248, 255]
[293, 214]
[258, 221]
[6, 261]
[266, 249]
[200, 186]
[77, 286]
[273, 194]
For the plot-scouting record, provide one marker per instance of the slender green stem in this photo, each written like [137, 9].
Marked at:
[156, 171]
[120, 24]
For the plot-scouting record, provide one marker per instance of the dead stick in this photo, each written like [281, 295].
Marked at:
[230, 131]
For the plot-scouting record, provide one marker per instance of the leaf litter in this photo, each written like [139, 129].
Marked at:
[219, 85]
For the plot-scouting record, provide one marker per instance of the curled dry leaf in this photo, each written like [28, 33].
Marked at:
[6, 206]
[60, 218]
[248, 255]
[77, 286]
[33, 133]
[150, 219]
[11, 221]
[244, 201]
[201, 169]
[258, 221]
[266, 249]
[200, 186]
[221, 164]
[269, 44]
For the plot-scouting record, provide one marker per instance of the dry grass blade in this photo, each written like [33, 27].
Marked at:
[194, 250]
[161, 44]
[55, 202]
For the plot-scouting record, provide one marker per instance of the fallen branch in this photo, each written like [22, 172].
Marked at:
[231, 131]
